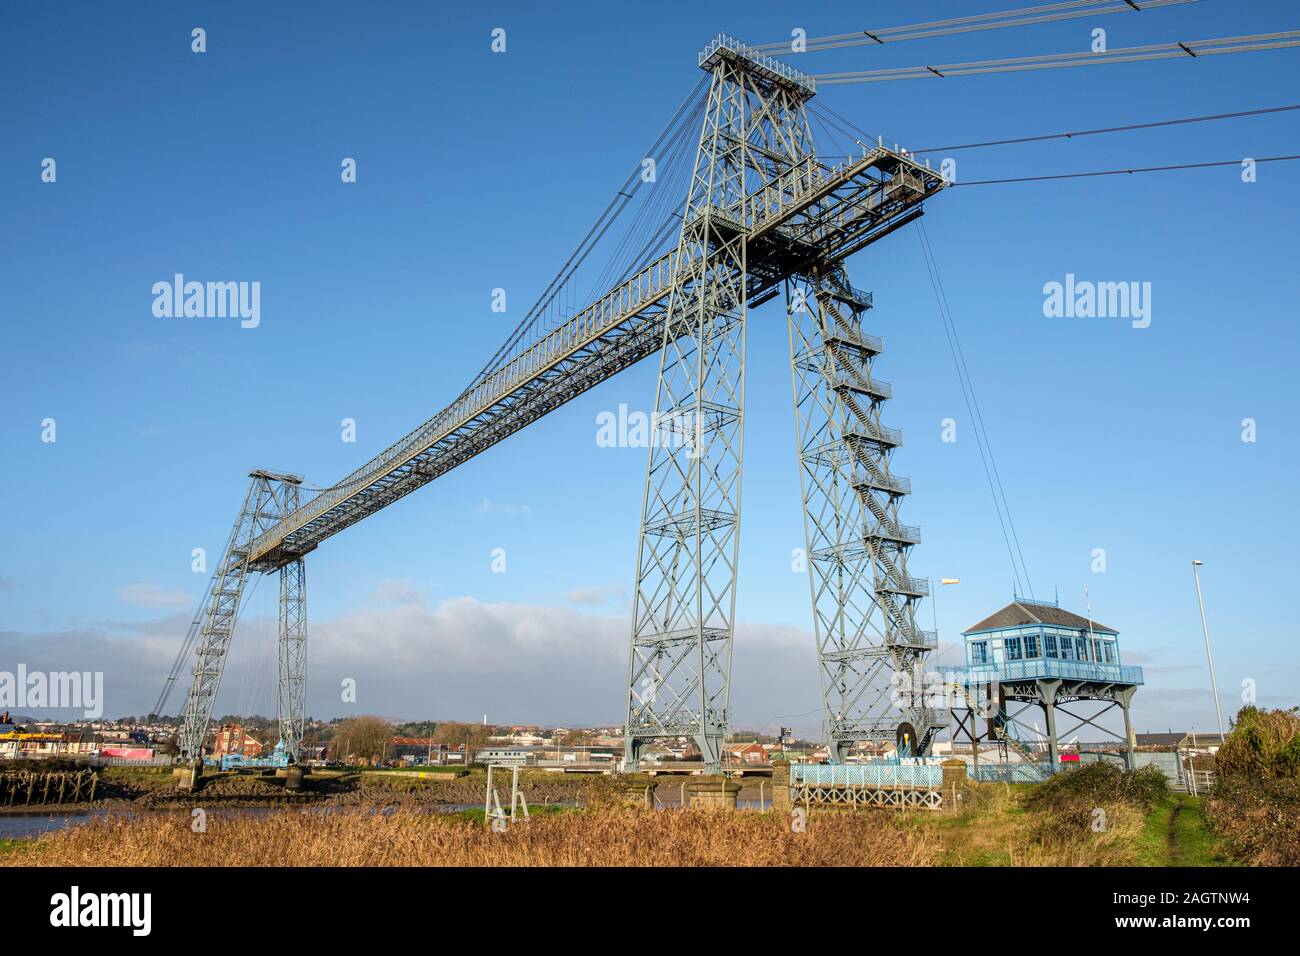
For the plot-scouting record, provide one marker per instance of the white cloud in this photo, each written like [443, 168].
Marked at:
[462, 657]
[488, 506]
[151, 595]
[397, 591]
[597, 595]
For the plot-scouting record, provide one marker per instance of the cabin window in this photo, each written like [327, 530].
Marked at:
[1050, 641]
[1067, 649]
[1013, 648]
[979, 652]
[1031, 645]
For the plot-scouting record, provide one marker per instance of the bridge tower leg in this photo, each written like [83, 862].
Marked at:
[1049, 720]
[870, 649]
[267, 500]
[754, 128]
[291, 696]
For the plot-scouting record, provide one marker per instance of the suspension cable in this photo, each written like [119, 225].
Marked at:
[1026, 16]
[1193, 49]
[991, 473]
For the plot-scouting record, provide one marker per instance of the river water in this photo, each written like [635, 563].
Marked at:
[25, 826]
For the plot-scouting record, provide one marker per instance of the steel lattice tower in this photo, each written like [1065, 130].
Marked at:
[291, 692]
[870, 651]
[270, 497]
[754, 130]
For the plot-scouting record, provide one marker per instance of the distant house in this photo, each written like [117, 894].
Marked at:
[520, 756]
[409, 748]
[750, 753]
[1176, 740]
[654, 753]
[231, 739]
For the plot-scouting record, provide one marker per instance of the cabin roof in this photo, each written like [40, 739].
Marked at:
[1019, 613]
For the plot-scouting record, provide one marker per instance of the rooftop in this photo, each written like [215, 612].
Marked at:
[1023, 611]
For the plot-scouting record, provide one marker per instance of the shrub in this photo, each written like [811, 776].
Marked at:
[1259, 819]
[1255, 806]
[1097, 783]
[1264, 744]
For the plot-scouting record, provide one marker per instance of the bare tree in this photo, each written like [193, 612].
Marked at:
[365, 738]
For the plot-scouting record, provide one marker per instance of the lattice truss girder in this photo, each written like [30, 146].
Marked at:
[870, 650]
[684, 605]
[901, 798]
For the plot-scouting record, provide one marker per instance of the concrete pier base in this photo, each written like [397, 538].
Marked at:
[640, 795]
[187, 776]
[713, 794]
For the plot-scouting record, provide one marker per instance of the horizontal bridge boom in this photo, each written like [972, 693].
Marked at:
[805, 216]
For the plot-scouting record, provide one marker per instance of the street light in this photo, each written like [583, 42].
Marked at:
[934, 610]
[1205, 629]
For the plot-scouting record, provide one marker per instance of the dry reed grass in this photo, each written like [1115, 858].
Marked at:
[411, 838]
[993, 827]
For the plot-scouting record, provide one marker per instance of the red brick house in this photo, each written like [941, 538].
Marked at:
[231, 739]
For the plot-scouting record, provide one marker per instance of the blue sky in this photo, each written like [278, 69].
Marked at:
[479, 170]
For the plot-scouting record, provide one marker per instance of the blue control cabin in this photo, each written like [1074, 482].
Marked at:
[1029, 640]
[1035, 656]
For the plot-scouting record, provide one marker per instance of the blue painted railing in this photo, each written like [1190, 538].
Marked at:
[1013, 772]
[1046, 668]
[867, 775]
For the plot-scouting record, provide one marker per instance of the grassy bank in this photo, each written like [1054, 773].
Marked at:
[1096, 816]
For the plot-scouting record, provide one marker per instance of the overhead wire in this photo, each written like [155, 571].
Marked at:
[1078, 134]
[1129, 171]
[1193, 49]
[1025, 16]
[532, 323]
[994, 478]
[611, 211]
[1106, 129]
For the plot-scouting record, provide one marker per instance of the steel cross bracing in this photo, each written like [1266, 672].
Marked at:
[970, 700]
[755, 132]
[270, 496]
[869, 646]
[291, 692]
[761, 210]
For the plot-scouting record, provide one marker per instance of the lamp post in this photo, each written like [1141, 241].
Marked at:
[1205, 629]
[934, 612]
[934, 604]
